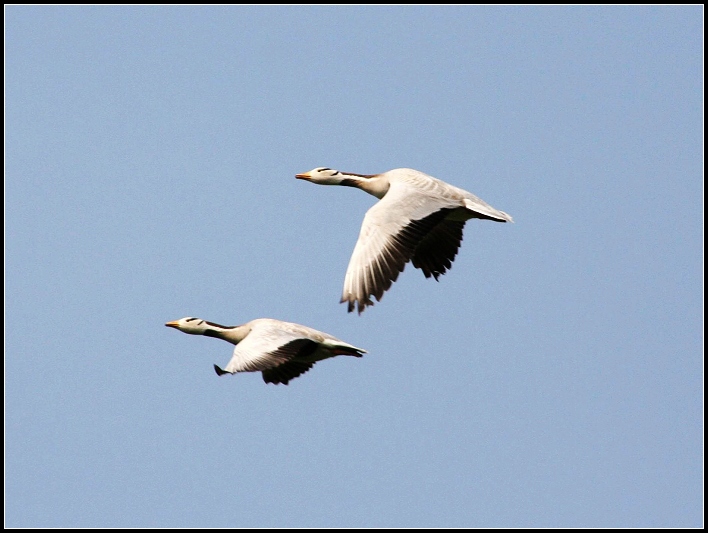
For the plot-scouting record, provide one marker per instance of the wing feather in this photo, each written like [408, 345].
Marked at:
[285, 372]
[390, 234]
[437, 250]
[268, 347]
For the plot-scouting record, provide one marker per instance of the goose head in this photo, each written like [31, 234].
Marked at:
[375, 184]
[194, 326]
[323, 176]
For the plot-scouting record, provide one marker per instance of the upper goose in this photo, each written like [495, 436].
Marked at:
[281, 350]
[418, 218]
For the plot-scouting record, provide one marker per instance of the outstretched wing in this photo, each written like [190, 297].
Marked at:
[390, 234]
[268, 346]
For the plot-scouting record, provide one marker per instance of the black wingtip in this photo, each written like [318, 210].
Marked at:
[350, 305]
[220, 371]
[275, 381]
[356, 305]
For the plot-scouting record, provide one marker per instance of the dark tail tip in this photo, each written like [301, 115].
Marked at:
[220, 371]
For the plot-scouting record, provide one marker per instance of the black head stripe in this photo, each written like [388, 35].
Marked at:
[219, 325]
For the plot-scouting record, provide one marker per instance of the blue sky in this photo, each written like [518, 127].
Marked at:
[552, 378]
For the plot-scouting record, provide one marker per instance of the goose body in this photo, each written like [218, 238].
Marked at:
[418, 218]
[280, 350]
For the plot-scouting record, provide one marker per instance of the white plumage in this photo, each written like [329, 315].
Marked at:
[418, 218]
[280, 350]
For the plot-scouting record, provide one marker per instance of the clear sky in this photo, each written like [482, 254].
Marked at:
[554, 377]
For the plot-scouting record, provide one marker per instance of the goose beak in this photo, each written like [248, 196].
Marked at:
[305, 176]
[173, 324]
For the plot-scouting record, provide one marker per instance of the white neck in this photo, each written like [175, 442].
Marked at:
[375, 185]
[232, 334]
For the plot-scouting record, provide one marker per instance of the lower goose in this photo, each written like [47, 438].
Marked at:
[280, 350]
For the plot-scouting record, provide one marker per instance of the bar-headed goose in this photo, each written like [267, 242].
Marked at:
[281, 350]
[418, 218]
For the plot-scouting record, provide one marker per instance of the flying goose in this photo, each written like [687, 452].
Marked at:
[281, 350]
[419, 218]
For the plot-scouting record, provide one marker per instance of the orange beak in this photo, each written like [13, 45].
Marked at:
[173, 324]
[305, 176]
